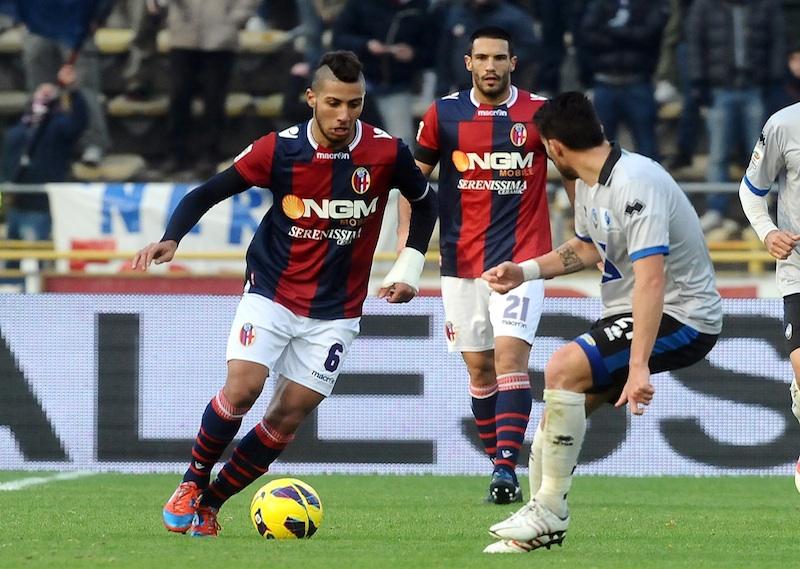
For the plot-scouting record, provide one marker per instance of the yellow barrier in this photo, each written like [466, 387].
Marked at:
[102, 255]
[752, 253]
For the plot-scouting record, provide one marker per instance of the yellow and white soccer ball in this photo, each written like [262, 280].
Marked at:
[286, 508]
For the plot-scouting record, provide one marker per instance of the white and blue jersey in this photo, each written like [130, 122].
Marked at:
[635, 210]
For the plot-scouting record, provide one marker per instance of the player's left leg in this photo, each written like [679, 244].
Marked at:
[259, 448]
[512, 412]
[545, 519]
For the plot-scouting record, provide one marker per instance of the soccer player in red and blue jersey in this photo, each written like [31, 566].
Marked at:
[308, 268]
[492, 208]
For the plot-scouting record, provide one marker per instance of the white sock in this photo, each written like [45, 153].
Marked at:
[795, 392]
[563, 437]
[535, 461]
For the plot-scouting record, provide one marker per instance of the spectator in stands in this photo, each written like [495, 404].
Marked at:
[394, 40]
[204, 38]
[39, 149]
[460, 20]
[43, 57]
[689, 119]
[556, 20]
[146, 17]
[623, 40]
[736, 51]
[791, 86]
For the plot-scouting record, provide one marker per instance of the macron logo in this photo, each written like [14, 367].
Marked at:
[492, 113]
[333, 155]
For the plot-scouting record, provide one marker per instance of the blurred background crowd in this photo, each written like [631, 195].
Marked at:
[171, 90]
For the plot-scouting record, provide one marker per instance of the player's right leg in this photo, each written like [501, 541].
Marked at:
[791, 322]
[469, 331]
[220, 423]
[257, 338]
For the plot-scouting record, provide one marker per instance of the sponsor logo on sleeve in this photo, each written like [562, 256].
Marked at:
[634, 207]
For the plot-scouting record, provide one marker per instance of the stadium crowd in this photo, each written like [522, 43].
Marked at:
[672, 79]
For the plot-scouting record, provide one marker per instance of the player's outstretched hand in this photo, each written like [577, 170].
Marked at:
[503, 277]
[780, 244]
[397, 293]
[638, 391]
[161, 252]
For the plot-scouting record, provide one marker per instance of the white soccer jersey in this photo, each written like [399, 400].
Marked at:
[777, 156]
[636, 210]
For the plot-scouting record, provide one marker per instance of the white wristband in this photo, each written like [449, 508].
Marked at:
[407, 269]
[530, 270]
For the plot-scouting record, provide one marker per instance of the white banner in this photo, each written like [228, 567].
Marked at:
[120, 382]
[125, 217]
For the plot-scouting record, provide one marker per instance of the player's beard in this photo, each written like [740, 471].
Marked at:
[333, 139]
[568, 173]
[499, 88]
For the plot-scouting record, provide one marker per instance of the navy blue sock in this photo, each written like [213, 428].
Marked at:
[484, 400]
[512, 413]
[251, 458]
[220, 423]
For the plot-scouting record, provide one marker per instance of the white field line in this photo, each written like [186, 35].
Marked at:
[36, 480]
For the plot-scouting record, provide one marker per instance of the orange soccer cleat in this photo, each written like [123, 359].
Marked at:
[180, 508]
[205, 522]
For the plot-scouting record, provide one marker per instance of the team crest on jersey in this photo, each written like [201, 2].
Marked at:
[360, 180]
[450, 332]
[247, 334]
[519, 134]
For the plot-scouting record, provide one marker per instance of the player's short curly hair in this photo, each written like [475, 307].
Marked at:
[344, 65]
[571, 119]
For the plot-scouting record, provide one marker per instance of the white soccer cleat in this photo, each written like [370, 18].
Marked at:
[532, 523]
[508, 546]
[797, 476]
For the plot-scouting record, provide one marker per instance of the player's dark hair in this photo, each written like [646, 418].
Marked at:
[571, 119]
[491, 32]
[344, 65]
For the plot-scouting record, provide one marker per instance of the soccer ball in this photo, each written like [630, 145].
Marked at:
[286, 508]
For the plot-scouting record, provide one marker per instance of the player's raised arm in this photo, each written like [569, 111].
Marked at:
[571, 257]
[186, 215]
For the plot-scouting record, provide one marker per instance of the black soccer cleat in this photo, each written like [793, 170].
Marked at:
[504, 488]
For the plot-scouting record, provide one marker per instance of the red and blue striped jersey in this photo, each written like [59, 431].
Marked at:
[492, 180]
[312, 251]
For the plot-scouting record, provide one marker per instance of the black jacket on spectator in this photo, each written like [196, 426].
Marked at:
[624, 42]
[50, 145]
[457, 24]
[710, 37]
[390, 22]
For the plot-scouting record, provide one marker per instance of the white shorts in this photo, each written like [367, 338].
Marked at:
[305, 350]
[476, 315]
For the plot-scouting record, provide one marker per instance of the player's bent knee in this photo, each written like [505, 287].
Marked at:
[567, 370]
[245, 382]
[285, 421]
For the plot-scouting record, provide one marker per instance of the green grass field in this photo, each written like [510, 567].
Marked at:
[113, 520]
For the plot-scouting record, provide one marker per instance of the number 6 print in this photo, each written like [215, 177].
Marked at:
[332, 362]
